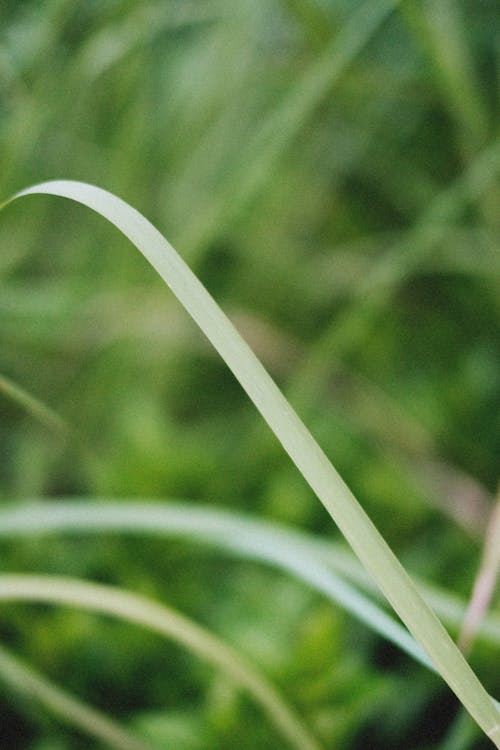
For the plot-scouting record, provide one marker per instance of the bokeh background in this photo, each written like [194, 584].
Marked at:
[329, 169]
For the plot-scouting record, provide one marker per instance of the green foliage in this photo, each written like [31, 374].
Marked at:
[331, 173]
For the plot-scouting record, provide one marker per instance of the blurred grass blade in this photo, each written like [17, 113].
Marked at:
[259, 159]
[440, 27]
[164, 621]
[299, 444]
[294, 552]
[36, 408]
[325, 566]
[244, 537]
[115, 41]
[462, 733]
[71, 710]
[396, 265]
[484, 586]
[350, 328]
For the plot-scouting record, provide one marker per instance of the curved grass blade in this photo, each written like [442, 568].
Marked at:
[71, 710]
[325, 566]
[311, 461]
[164, 621]
[291, 551]
[263, 542]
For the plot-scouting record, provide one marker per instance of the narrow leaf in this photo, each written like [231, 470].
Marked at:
[36, 408]
[242, 536]
[167, 622]
[360, 532]
[71, 710]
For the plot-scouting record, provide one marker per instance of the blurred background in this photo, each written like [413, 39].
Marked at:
[330, 170]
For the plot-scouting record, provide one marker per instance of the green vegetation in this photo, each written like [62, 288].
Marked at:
[330, 171]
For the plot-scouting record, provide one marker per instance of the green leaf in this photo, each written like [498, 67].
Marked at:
[344, 509]
[167, 622]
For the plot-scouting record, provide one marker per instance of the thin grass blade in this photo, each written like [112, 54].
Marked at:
[311, 461]
[33, 406]
[168, 623]
[241, 536]
[71, 710]
[486, 580]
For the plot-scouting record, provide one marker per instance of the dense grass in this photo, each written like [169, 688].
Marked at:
[332, 176]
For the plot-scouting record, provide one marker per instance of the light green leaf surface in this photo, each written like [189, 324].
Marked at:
[326, 566]
[364, 538]
[242, 536]
[167, 622]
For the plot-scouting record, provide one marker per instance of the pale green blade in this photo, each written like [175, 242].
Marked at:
[242, 536]
[299, 444]
[168, 623]
[324, 565]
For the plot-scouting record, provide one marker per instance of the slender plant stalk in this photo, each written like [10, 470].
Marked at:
[440, 29]
[358, 529]
[391, 269]
[27, 681]
[484, 586]
[33, 406]
[259, 159]
[164, 621]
